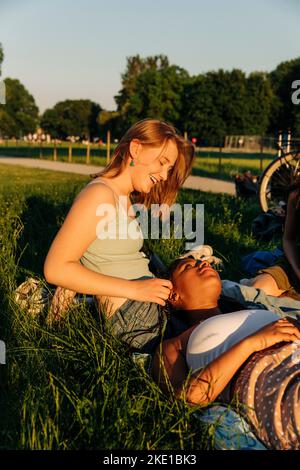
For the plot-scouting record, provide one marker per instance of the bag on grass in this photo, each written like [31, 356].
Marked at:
[266, 225]
[32, 296]
[260, 259]
[246, 185]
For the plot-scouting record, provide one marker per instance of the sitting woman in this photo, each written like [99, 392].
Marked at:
[284, 278]
[222, 356]
[97, 250]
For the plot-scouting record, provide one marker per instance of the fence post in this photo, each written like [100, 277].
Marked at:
[88, 153]
[108, 148]
[261, 154]
[54, 151]
[70, 152]
[41, 149]
[220, 159]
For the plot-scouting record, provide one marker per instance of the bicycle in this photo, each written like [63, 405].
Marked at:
[276, 179]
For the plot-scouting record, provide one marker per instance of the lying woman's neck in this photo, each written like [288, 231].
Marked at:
[193, 316]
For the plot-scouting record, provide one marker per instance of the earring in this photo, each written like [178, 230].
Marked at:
[131, 163]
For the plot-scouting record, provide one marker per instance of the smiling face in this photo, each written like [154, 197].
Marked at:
[196, 285]
[151, 164]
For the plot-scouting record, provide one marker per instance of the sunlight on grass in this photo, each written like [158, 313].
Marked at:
[74, 386]
[206, 163]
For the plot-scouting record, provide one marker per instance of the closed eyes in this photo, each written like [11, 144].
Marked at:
[187, 266]
[163, 163]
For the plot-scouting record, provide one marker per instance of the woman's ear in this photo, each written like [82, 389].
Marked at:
[173, 297]
[134, 148]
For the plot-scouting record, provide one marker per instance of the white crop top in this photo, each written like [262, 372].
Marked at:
[217, 334]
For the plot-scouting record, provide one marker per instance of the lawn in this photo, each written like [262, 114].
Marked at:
[73, 386]
[208, 164]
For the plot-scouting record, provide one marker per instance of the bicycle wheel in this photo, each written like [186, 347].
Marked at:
[276, 180]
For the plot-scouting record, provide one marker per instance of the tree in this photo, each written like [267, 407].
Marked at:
[134, 67]
[158, 94]
[287, 114]
[223, 103]
[72, 117]
[1, 56]
[202, 119]
[262, 103]
[109, 121]
[20, 114]
[151, 87]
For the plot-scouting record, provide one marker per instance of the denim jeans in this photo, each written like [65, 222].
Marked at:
[251, 297]
[139, 324]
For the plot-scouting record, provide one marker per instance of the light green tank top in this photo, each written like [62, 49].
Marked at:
[118, 254]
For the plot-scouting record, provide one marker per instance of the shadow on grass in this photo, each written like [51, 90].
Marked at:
[42, 220]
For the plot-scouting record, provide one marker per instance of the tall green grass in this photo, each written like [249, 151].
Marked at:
[74, 386]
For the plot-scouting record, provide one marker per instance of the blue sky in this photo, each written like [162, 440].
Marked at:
[77, 49]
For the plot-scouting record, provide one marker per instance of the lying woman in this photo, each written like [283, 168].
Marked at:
[248, 354]
[283, 279]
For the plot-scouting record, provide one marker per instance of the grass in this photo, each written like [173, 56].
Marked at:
[74, 386]
[206, 163]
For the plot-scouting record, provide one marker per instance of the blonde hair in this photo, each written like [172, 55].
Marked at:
[153, 133]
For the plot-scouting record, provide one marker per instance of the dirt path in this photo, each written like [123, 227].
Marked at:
[192, 182]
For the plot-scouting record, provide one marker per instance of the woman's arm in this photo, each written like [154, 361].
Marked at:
[61, 302]
[62, 266]
[170, 369]
[291, 231]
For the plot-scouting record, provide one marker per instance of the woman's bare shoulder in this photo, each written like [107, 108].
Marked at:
[180, 342]
[94, 191]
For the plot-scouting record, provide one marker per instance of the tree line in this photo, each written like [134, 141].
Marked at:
[208, 106]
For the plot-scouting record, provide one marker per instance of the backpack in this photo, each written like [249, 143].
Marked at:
[246, 185]
[267, 224]
[259, 260]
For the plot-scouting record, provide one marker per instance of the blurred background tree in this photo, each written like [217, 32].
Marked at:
[223, 103]
[72, 118]
[287, 114]
[1, 56]
[208, 106]
[19, 116]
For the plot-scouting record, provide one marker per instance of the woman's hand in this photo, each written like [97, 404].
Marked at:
[61, 301]
[276, 332]
[152, 290]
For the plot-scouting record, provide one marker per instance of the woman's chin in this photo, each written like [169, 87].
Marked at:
[147, 188]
